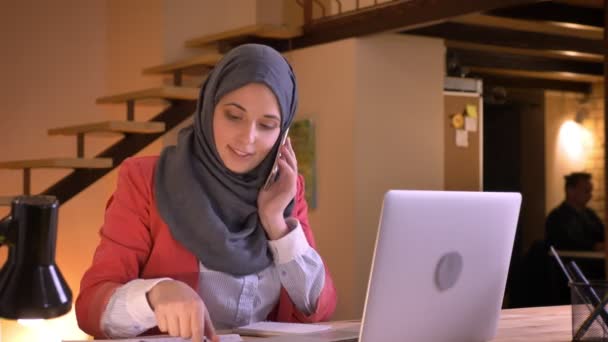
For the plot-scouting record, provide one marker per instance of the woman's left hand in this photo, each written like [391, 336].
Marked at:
[273, 201]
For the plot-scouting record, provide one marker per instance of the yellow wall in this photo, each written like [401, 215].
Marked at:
[59, 57]
[187, 19]
[398, 131]
[377, 104]
[53, 60]
[326, 78]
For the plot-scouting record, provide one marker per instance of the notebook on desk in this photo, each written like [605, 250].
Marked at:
[439, 268]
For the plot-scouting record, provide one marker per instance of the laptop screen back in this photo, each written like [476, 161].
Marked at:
[440, 266]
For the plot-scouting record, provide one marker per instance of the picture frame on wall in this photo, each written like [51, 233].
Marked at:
[302, 134]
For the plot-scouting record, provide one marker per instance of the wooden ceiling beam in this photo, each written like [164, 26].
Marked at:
[547, 27]
[393, 16]
[509, 38]
[559, 54]
[532, 83]
[549, 75]
[583, 3]
[488, 59]
[554, 11]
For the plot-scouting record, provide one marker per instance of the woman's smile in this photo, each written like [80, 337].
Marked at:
[241, 153]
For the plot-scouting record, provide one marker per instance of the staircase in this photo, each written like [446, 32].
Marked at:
[139, 134]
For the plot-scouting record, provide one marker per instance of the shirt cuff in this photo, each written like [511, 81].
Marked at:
[291, 245]
[137, 304]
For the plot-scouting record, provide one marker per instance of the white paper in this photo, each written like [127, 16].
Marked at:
[470, 124]
[278, 328]
[462, 138]
[223, 338]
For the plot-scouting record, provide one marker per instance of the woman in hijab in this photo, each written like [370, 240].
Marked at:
[192, 241]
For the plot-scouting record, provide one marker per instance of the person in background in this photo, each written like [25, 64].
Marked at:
[192, 240]
[572, 225]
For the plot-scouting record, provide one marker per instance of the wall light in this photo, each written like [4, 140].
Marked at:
[575, 140]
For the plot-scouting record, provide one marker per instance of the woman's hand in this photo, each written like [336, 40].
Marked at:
[273, 201]
[180, 312]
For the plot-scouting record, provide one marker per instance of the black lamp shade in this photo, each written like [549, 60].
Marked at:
[31, 285]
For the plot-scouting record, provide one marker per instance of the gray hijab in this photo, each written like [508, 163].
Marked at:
[209, 209]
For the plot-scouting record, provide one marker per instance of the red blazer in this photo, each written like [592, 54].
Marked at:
[136, 243]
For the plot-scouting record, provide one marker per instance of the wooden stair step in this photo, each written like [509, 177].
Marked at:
[6, 200]
[167, 93]
[261, 31]
[58, 163]
[111, 127]
[206, 60]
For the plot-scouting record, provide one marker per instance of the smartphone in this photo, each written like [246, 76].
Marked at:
[272, 177]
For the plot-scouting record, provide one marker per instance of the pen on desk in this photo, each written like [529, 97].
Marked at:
[560, 263]
[567, 273]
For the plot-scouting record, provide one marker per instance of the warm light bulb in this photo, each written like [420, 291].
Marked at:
[31, 323]
[574, 139]
[38, 330]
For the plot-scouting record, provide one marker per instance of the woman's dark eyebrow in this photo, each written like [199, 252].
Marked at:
[272, 116]
[236, 105]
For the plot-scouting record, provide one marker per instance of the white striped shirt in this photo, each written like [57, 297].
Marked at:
[231, 301]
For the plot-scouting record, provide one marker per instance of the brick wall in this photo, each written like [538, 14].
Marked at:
[595, 163]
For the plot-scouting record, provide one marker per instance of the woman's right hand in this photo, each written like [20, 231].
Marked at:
[180, 311]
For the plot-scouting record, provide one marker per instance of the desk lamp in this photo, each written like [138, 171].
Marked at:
[31, 285]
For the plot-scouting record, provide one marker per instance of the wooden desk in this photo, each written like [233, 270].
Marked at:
[545, 324]
[581, 254]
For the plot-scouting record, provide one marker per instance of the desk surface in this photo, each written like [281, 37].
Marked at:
[581, 254]
[544, 324]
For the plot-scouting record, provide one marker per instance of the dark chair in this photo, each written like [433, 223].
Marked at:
[538, 280]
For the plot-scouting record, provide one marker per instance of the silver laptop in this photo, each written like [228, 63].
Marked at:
[439, 269]
[440, 266]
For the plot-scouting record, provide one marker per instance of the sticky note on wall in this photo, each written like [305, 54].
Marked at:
[470, 124]
[471, 110]
[462, 138]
